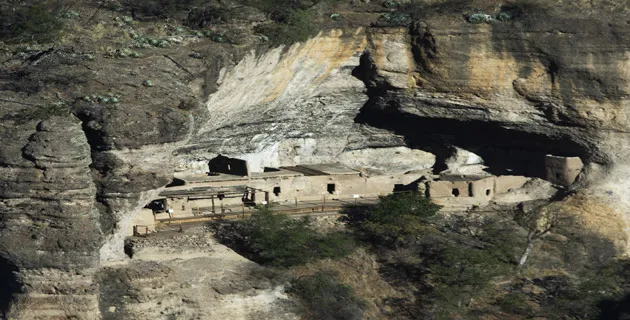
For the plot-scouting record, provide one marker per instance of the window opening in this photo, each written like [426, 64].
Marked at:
[455, 192]
[276, 191]
[331, 188]
[158, 205]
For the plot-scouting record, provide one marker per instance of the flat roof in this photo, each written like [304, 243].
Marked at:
[322, 169]
[294, 171]
[276, 174]
[197, 191]
[201, 178]
[460, 177]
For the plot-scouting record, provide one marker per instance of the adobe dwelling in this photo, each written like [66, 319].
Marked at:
[230, 187]
[562, 170]
[482, 188]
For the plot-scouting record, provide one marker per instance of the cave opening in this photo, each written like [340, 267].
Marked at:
[504, 151]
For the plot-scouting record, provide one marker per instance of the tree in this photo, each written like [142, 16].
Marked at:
[327, 299]
[398, 218]
[29, 22]
[282, 241]
[537, 222]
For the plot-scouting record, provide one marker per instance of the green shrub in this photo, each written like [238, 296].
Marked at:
[278, 240]
[478, 18]
[397, 218]
[33, 23]
[582, 297]
[202, 17]
[390, 4]
[503, 16]
[515, 303]
[396, 18]
[122, 53]
[104, 98]
[457, 273]
[296, 27]
[39, 112]
[333, 245]
[150, 9]
[327, 299]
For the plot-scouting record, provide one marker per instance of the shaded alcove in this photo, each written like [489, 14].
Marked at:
[505, 151]
[9, 285]
[176, 183]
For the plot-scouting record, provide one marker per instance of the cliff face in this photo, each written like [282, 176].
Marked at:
[510, 92]
[562, 85]
[50, 224]
[288, 105]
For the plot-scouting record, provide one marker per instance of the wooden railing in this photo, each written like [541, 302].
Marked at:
[325, 205]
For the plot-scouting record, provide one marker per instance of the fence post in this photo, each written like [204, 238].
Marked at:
[323, 203]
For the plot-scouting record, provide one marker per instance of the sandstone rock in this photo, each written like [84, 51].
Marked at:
[50, 231]
[388, 160]
[190, 275]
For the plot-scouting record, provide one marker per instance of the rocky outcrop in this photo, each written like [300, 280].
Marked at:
[132, 161]
[50, 235]
[286, 106]
[189, 275]
[531, 83]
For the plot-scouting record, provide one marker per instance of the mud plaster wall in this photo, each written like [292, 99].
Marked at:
[562, 170]
[503, 184]
[483, 188]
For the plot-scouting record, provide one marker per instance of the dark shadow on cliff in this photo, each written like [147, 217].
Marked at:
[503, 150]
[9, 285]
[615, 309]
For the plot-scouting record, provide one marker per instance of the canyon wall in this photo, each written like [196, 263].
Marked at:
[369, 97]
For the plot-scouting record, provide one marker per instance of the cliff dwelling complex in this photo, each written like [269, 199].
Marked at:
[231, 188]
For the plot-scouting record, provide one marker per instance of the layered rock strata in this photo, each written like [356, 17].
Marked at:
[50, 235]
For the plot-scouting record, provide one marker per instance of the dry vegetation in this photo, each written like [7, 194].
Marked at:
[414, 264]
